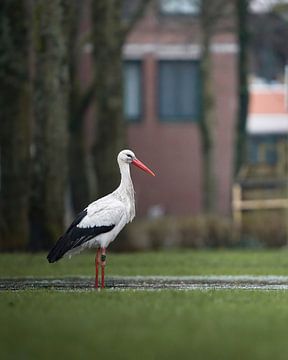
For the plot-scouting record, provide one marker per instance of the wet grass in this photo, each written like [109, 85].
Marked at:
[144, 325]
[184, 262]
[168, 324]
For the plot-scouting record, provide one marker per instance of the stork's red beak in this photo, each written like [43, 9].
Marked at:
[140, 165]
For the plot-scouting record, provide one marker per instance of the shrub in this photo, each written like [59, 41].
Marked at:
[173, 232]
[260, 229]
[268, 227]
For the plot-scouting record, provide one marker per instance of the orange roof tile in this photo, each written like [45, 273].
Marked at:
[267, 102]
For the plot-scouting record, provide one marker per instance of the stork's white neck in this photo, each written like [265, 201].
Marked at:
[125, 191]
[125, 175]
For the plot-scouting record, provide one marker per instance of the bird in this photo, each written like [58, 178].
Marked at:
[102, 220]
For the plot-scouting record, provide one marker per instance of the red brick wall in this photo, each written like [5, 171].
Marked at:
[173, 151]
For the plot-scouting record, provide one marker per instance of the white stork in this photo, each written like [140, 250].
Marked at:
[102, 220]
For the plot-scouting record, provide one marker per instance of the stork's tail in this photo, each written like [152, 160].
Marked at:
[57, 252]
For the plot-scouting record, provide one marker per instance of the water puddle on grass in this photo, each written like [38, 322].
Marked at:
[150, 283]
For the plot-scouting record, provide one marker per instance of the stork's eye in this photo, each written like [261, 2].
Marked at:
[130, 156]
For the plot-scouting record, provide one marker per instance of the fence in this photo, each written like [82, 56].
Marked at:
[239, 204]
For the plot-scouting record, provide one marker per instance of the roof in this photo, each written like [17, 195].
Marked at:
[260, 6]
[268, 111]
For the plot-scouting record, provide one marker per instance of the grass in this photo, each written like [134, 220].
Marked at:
[222, 324]
[184, 262]
[144, 325]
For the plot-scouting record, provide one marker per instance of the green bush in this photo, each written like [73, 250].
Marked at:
[173, 232]
[269, 227]
[198, 232]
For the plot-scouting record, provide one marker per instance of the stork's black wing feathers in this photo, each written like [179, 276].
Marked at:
[75, 236]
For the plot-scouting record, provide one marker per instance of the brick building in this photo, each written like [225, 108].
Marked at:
[267, 129]
[162, 106]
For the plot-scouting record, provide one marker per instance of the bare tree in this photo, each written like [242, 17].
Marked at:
[108, 36]
[242, 8]
[213, 16]
[50, 129]
[79, 101]
[15, 113]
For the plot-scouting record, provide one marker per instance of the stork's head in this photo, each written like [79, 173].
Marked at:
[128, 157]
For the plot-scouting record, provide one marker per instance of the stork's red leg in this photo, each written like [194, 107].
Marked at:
[97, 261]
[103, 263]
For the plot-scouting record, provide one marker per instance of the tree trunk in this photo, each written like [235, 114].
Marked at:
[78, 105]
[50, 133]
[207, 122]
[243, 92]
[78, 171]
[15, 113]
[110, 135]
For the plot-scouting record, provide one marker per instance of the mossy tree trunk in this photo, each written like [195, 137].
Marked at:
[110, 130]
[207, 135]
[243, 92]
[15, 114]
[78, 168]
[50, 128]
[78, 104]
[108, 36]
[207, 120]
[213, 16]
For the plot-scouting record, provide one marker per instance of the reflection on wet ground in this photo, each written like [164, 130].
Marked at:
[150, 283]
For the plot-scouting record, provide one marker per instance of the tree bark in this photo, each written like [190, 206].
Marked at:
[110, 130]
[207, 122]
[78, 105]
[15, 113]
[243, 92]
[50, 131]
[78, 171]
[214, 18]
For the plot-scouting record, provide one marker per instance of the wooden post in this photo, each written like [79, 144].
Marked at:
[237, 205]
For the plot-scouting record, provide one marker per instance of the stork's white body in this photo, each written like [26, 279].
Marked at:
[100, 223]
[117, 208]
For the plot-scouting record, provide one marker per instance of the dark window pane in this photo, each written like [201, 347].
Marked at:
[253, 151]
[263, 149]
[187, 82]
[167, 90]
[179, 92]
[132, 89]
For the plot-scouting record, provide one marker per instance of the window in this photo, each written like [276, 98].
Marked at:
[180, 7]
[179, 90]
[132, 90]
[263, 149]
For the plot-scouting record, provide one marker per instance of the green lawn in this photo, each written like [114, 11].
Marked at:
[144, 325]
[184, 262]
[198, 325]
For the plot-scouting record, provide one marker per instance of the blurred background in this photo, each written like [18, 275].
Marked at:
[197, 89]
